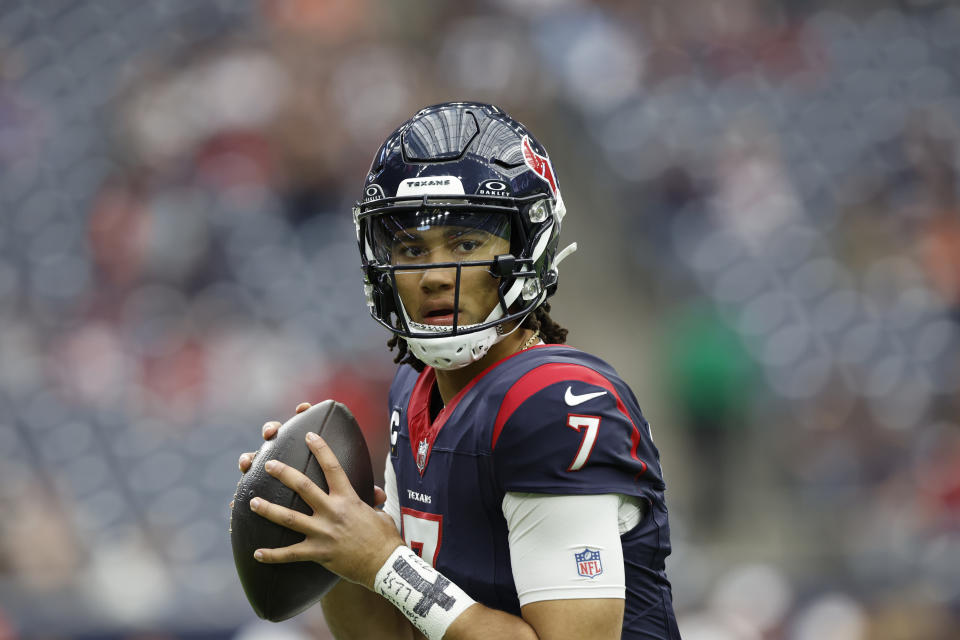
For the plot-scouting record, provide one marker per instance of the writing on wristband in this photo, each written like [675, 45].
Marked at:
[428, 599]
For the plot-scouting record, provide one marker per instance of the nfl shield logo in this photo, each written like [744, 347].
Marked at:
[422, 454]
[588, 563]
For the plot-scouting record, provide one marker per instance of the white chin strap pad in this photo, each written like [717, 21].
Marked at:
[454, 352]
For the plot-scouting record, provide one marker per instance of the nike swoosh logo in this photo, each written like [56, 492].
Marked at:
[574, 400]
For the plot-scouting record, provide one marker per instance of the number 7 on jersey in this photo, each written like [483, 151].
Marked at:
[423, 532]
[590, 425]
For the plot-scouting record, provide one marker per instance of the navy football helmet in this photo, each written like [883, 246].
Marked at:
[466, 166]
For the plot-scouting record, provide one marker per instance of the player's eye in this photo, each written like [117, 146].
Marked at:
[468, 246]
[465, 243]
[410, 252]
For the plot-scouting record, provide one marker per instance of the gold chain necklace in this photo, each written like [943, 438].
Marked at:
[532, 340]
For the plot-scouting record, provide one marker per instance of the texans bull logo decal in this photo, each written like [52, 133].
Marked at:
[539, 164]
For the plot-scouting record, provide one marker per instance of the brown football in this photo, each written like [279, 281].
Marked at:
[280, 591]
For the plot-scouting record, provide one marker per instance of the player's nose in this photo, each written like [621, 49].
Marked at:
[438, 279]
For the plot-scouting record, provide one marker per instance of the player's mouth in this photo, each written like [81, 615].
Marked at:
[443, 317]
[440, 314]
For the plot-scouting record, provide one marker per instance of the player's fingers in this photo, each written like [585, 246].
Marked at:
[303, 406]
[336, 477]
[304, 486]
[379, 496]
[294, 553]
[270, 429]
[283, 516]
[246, 459]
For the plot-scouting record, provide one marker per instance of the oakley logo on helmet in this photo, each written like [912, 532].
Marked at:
[373, 192]
[493, 188]
[539, 164]
[434, 185]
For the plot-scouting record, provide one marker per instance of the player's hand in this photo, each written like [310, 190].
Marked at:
[269, 430]
[344, 534]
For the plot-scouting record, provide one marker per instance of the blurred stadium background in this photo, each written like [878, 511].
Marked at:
[765, 195]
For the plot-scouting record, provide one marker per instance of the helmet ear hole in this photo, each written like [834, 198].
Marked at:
[550, 282]
[531, 289]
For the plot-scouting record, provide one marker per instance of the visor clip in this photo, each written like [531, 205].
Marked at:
[503, 265]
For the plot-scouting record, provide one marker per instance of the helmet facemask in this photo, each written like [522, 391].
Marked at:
[444, 276]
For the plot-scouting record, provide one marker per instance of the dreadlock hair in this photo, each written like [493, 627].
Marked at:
[539, 320]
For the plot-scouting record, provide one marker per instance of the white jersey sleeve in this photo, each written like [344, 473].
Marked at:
[568, 546]
[392, 505]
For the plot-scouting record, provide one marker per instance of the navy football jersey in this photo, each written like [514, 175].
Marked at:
[547, 420]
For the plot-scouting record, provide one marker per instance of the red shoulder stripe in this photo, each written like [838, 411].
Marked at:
[545, 375]
[418, 406]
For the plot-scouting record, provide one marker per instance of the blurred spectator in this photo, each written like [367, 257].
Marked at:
[38, 545]
[709, 378]
[931, 146]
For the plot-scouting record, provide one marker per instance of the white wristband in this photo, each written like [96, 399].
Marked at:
[428, 599]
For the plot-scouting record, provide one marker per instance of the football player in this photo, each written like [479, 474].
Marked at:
[523, 493]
